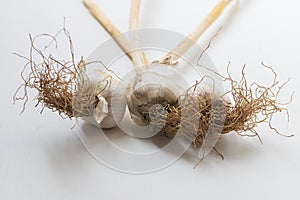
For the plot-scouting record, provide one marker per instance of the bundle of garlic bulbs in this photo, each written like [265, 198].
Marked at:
[67, 88]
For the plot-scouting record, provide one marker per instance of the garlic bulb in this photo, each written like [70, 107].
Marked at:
[92, 101]
[146, 96]
[103, 114]
[153, 86]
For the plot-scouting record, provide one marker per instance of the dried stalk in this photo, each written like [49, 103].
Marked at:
[105, 22]
[138, 55]
[134, 14]
[172, 57]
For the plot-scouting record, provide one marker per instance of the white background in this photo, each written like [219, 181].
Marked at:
[42, 158]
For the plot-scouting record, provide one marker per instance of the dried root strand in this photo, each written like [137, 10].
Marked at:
[56, 81]
[251, 105]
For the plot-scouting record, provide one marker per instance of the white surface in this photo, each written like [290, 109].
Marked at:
[42, 158]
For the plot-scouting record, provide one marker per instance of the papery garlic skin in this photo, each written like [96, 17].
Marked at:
[101, 110]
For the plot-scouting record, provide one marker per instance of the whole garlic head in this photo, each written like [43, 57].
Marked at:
[92, 100]
[103, 114]
[146, 96]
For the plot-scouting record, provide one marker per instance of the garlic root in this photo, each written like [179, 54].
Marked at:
[65, 87]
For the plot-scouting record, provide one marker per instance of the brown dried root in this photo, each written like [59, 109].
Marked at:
[57, 82]
[205, 113]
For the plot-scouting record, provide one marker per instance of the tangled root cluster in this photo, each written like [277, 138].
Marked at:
[57, 81]
[202, 113]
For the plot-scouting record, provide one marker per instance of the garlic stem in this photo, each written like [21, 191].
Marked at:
[105, 22]
[172, 57]
[138, 55]
[145, 97]
[134, 14]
